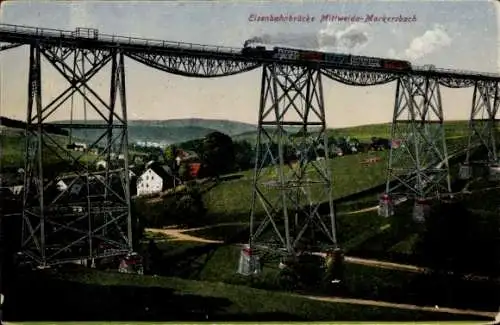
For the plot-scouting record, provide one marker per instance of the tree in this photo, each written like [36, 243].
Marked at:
[455, 240]
[169, 153]
[244, 155]
[189, 209]
[184, 172]
[218, 153]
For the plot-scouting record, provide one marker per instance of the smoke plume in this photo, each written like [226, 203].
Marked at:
[351, 39]
[331, 38]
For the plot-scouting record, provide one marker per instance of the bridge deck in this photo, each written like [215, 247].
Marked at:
[16, 34]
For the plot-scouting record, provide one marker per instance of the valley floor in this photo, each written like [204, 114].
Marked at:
[175, 234]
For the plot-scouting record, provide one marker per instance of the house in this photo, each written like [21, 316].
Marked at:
[77, 146]
[101, 164]
[156, 179]
[61, 185]
[185, 156]
[194, 169]
[17, 189]
[396, 143]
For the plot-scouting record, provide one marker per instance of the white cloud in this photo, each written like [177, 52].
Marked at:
[429, 42]
[353, 38]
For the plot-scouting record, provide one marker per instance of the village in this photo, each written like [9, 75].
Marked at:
[152, 172]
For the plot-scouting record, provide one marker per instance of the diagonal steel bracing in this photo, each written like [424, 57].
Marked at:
[71, 211]
[292, 207]
[483, 123]
[419, 165]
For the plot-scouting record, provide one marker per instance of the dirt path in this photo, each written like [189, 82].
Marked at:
[179, 235]
[374, 208]
[378, 303]
[223, 224]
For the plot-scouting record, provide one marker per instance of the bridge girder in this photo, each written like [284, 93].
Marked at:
[451, 82]
[359, 78]
[418, 167]
[89, 217]
[194, 66]
[8, 46]
[291, 186]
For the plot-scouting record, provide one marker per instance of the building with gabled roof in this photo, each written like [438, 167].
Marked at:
[155, 179]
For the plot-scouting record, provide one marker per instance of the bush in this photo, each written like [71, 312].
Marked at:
[456, 240]
[186, 209]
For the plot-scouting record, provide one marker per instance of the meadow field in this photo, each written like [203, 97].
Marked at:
[196, 281]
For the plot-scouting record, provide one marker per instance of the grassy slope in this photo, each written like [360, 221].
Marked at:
[125, 297]
[350, 176]
[364, 132]
[12, 150]
[218, 263]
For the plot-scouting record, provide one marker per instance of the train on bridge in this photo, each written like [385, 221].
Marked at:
[263, 51]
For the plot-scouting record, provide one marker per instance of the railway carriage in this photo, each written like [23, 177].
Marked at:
[260, 50]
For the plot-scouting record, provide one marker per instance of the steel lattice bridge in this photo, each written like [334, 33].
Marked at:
[292, 201]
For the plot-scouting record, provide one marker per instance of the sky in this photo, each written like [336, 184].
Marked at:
[449, 34]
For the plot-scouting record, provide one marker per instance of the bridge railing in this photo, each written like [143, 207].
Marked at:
[144, 42]
[63, 34]
[457, 71]
[166, 44]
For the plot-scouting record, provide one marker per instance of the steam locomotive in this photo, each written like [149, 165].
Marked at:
[258, 50]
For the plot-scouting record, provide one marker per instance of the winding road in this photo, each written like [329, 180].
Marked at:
[177, 234]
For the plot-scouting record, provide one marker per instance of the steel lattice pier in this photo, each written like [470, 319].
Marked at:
[91, 215]
[292, 175]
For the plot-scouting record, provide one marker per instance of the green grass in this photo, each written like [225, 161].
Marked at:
[366, 132]
[12, 151]
[222, 233]
[219, 264]
[452, 129]
[350, 176]
[119, 297]
[232, 198]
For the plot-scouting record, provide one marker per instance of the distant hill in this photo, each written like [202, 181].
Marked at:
[170, 131]
[225, 126]
[16, 124]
